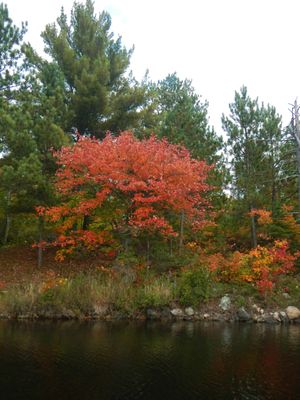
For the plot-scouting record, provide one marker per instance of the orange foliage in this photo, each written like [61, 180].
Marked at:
[260, 266]
[264, 217]
[52, 281]
[148, 179]
[290, 222]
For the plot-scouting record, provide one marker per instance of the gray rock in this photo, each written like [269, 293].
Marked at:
[197, 316]
[283, 316]
[259, 318]
[189, 311]
[258, 310]
[152, 314]
[225, 303]
[276, 316]
[166, 313]
[269, 319]
[206, 316]
[286, 295]
[243, 315]
[177, 312]
[255, 318]
[292, 312]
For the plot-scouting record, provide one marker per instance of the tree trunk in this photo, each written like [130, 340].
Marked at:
[273, 197]
[86, 222]
[126, 245]
[7, 228]
[8, 219]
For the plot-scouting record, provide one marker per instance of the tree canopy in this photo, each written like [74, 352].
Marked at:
[93, 66]
[126, 186]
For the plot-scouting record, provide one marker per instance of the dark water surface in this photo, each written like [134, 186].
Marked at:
[182, 360]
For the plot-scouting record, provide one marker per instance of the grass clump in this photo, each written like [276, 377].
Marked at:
[156, 293]
[78, 296]
[19, 299]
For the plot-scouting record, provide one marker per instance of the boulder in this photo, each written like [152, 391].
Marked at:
[259, 318]
[151, 313]
[258, 309]
[197, 316]
[189, 311]
[243, 315]
[292, 312]
[276, 316]
[225, 303]
[283, 316]
[269, 319]
[166, 313]
[177, 312]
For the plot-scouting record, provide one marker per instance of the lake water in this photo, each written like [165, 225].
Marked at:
[182, 360]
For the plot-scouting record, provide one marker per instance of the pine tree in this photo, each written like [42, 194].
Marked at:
[183, 118]
[29, 128]
[10, 53]
[98, 92]
[254, 133]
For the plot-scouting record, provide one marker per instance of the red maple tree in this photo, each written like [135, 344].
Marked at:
[125, 184]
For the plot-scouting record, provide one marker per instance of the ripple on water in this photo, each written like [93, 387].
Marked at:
[180, 360]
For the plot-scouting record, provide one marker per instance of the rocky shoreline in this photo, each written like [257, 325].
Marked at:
[222, 312]
[257, 315]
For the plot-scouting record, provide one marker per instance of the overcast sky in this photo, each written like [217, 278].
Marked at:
[219, 44]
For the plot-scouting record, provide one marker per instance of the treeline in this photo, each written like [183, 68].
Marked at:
[85, 85]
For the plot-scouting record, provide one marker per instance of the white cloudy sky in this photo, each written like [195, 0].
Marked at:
[219, 44]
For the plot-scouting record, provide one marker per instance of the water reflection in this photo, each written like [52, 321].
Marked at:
[182, 360]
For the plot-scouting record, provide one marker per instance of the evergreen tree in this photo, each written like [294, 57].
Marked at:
[29, 128]
[10, 53]
[93, 64]
[254, 134]
[183, 118]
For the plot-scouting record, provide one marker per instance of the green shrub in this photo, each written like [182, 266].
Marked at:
[194, 286]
